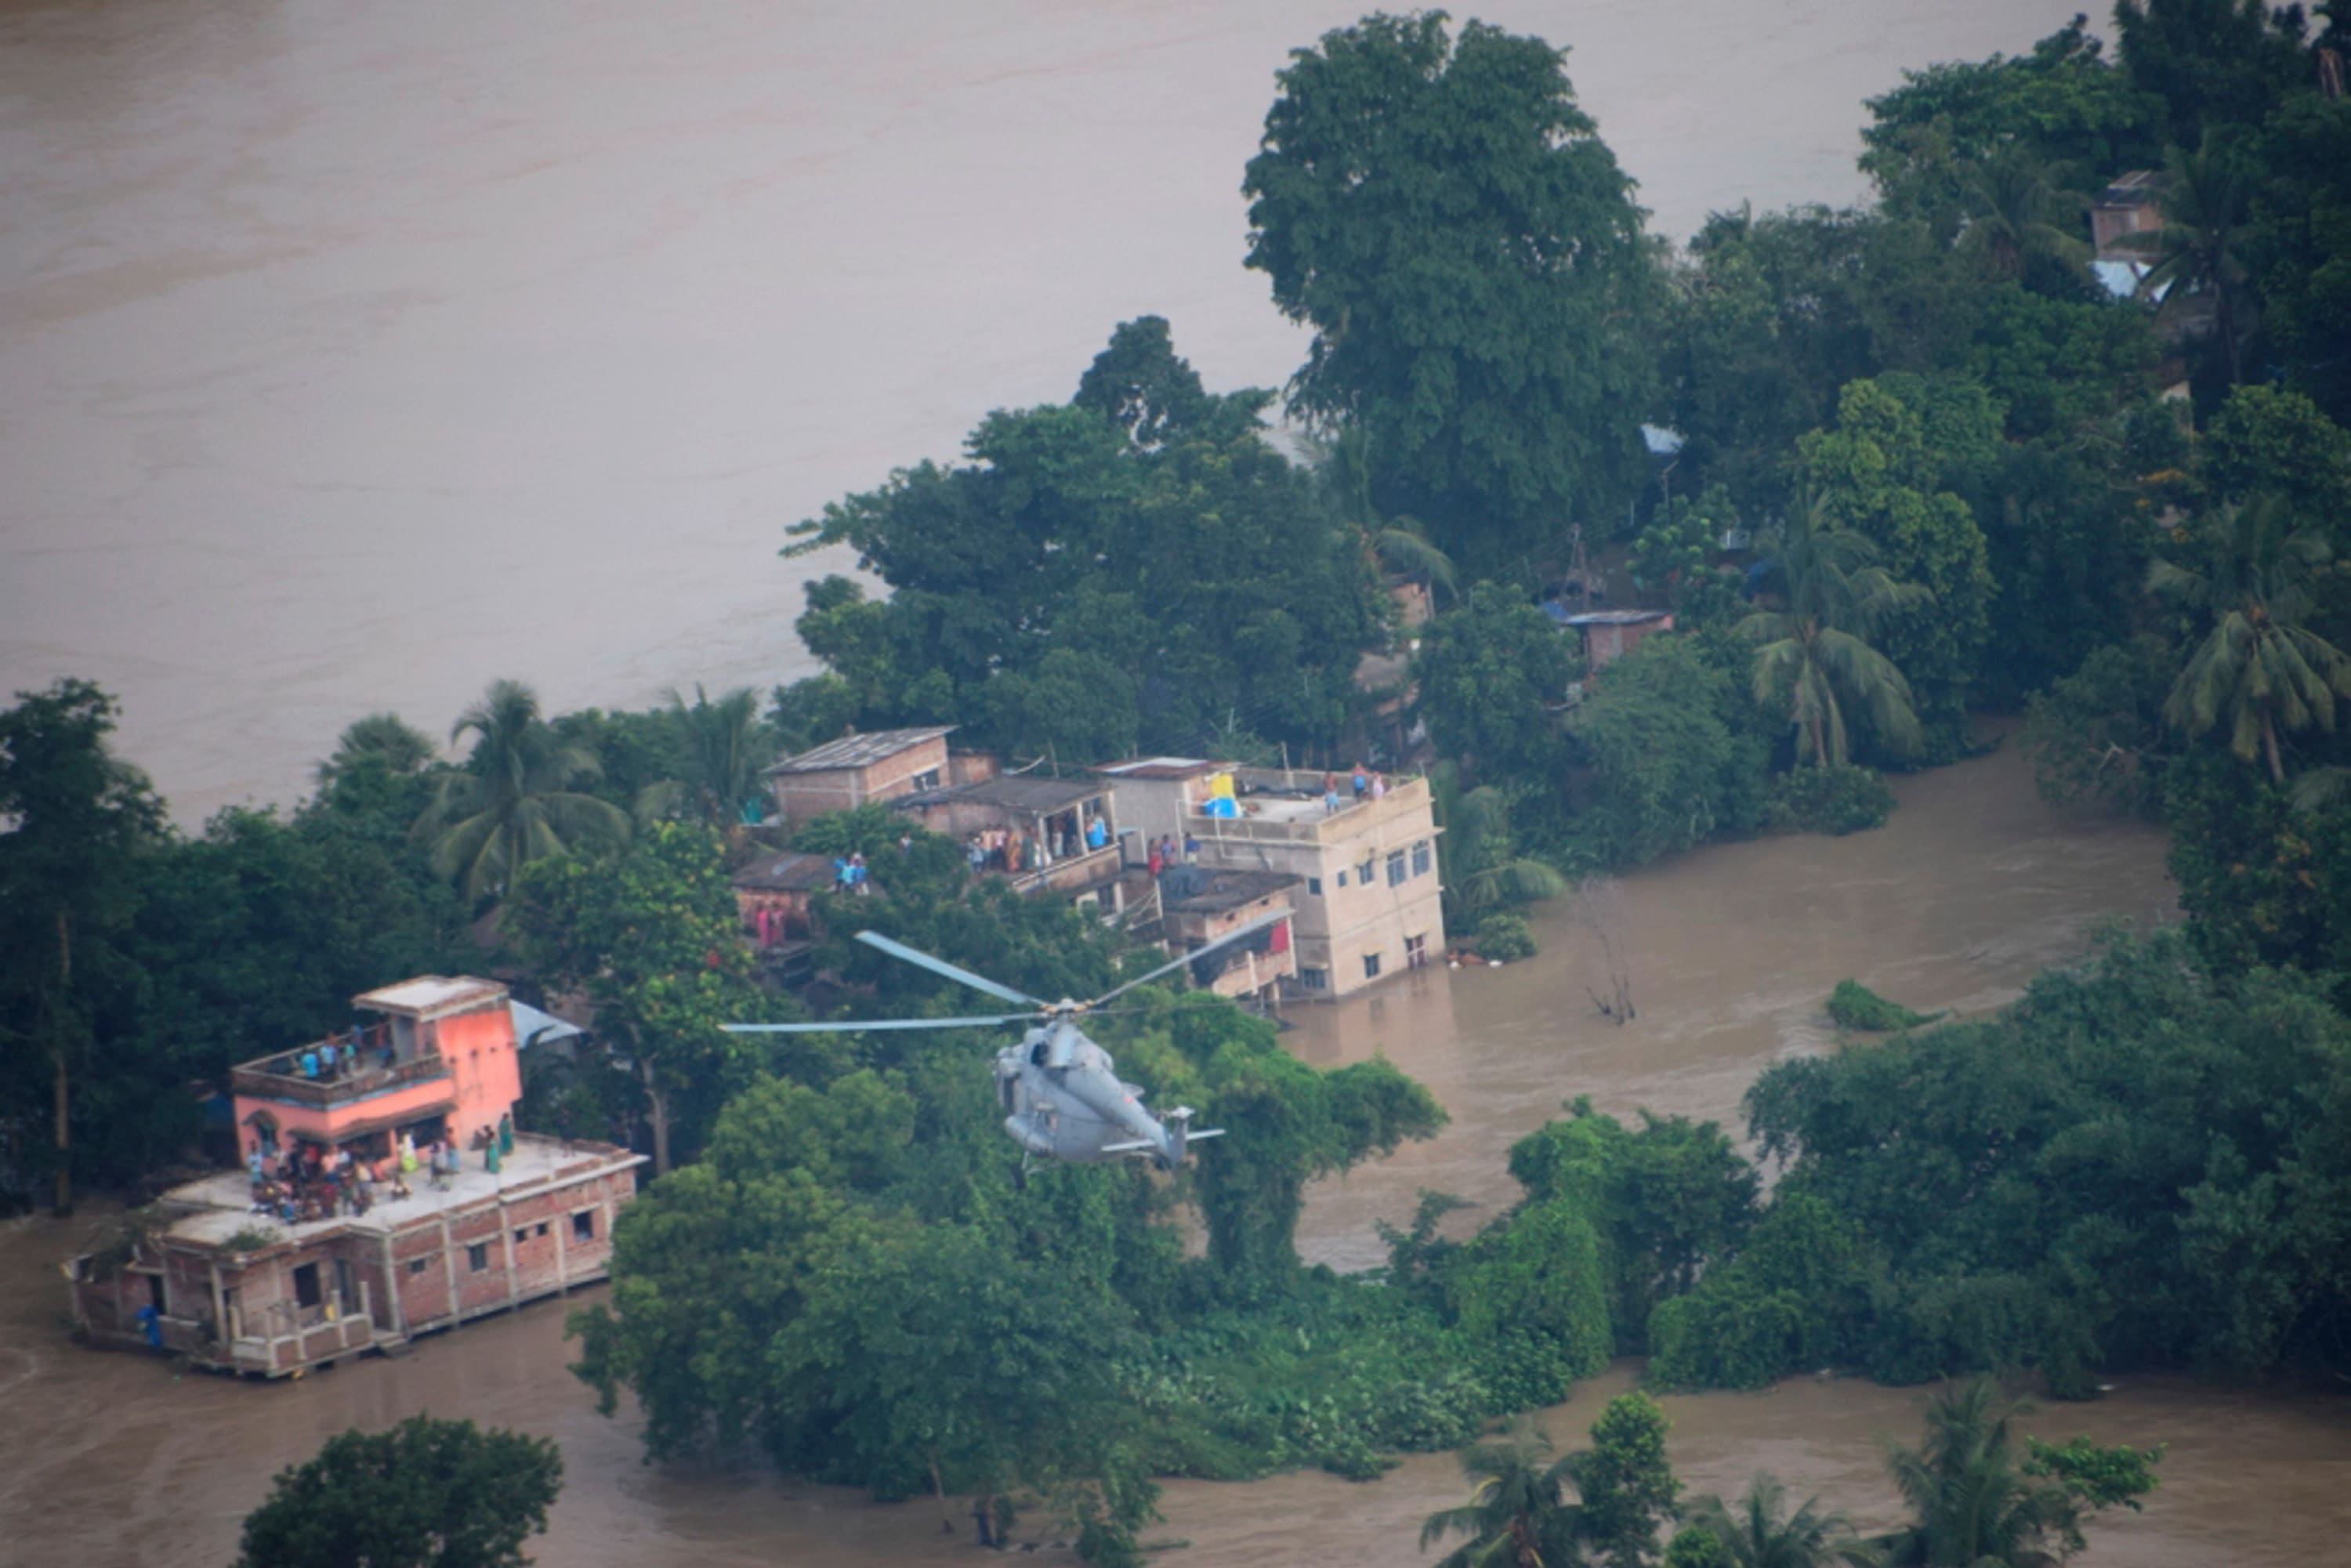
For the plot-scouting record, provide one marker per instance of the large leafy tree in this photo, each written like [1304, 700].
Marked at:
[1445, 216]
[75, 823]
[1493, 676]
[2257, 670]
[2020, 218]
[2297, 244]
[2210, 62]
[385, 737]
[653, 938]
[515, 800]
[1812, 656]
[426, 1494]
[726, 745]
[1895, 471]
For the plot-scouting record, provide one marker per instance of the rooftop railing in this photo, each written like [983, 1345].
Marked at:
[268, 1079]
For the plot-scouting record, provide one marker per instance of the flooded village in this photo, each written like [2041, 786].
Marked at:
[1229, 784]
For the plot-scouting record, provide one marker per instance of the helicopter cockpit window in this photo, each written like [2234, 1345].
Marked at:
[1037, 1054]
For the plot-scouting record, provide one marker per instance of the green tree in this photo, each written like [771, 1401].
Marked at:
[1892, 470]
[2018, 216]
[1760, 1532]
[725, 745]
[2297, 245]
[2258, 669]
[1494, 672]
[1970, 1501]
[1478, 860]
[1813, 659]
[653, 939]
[1626, 1484]
[2210, 62]
[513, 802]
[1392, 546]
[385, 736]
[426, 1494]
[1443, 214]
[1518, 1515]
[2267, 440]
[1672, 750]
[78, 821]
[2197, 252]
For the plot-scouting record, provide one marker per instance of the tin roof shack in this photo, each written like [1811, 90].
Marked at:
[271, 1278]
[842, 775]
[772, 894]
[1610, 634]
[1371, 905]
[1048, 835]
[1203, 903]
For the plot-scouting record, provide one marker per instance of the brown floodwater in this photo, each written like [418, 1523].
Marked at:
[112, 1458]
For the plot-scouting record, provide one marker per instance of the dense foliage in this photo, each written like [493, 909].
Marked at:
[424, 1494]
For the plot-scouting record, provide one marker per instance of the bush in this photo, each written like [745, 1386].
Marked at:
[1505, 936]
[1854, 1006]
[1839, 800]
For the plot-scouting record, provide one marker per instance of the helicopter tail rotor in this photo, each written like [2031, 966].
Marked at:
[1180, 1134]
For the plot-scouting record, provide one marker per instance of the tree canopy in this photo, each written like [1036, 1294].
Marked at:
[425, 1494]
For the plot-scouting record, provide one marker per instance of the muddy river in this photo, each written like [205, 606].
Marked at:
[111, 1459]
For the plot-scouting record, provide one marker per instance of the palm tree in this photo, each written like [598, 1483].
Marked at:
[725, 745]
[1476, 864]
[1517, 1516]
[1814, 657]
[513, 804]
[2018, 213]
[2195, 251]
[1971, 1506]
[1761, 1534]
[2259, 668]
[380, 734]
[1394, 546]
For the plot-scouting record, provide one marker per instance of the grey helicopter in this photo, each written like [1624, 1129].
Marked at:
[1060, 1091]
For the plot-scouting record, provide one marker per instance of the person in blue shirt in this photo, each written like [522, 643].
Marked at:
[1097, 833]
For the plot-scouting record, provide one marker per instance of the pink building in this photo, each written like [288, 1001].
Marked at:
[341, 1245]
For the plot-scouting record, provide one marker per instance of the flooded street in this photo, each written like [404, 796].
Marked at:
[110, 1459]
[354, 355]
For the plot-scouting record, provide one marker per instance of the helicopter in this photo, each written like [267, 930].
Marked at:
[1060, 1091]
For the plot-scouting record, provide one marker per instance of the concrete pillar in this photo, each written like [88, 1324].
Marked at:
[449, 1266]
[505, 1233]
[392, 1287]
[562, 1226]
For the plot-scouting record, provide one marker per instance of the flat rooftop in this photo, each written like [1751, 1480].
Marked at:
[222, 1204]
[430, 995]
[1009, 792]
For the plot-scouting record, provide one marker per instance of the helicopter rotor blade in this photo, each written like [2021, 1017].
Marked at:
[941, 966]
[851, 1026]
[1261, 923]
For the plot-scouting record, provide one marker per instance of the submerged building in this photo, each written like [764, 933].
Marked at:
[385, 1194]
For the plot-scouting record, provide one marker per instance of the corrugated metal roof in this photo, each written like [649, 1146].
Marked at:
[1011, 793]
[1204, 890]
[858, 750]
[1161, 768]
[786, 873]
[1612, 618]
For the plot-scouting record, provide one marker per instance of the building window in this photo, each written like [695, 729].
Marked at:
[1395, 868]
[583, 1226]
[1416, 951]
[926, 781]
[306, 1286]
[1314, 979]
[540, 1229]
[522, 1236]
[416, 1266]
[1363, 871]
[1313, 887]
[1343, 878]
[1420, 858]
[477, 1257]
[1371, 966]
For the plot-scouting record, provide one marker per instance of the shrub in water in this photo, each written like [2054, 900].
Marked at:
[1840, 799]
[1505, 936]
[1854, 1006]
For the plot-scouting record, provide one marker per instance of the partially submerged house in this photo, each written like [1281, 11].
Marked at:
[1201, 903]
[1366, 899]
[1610, 634]
[386, 1193]
[857, 770]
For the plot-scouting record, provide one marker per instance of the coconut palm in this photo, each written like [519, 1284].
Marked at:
[1477, 866]
[1759, 1533]
[513, 804]
[2202, 200]
[2259, 669]
[1517, 1516]
[2018, 213]
[1812, 657]
[725, 746]
[1972, 1505]
[382, 735]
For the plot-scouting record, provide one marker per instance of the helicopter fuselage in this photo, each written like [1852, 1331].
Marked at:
[1065, 1102]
